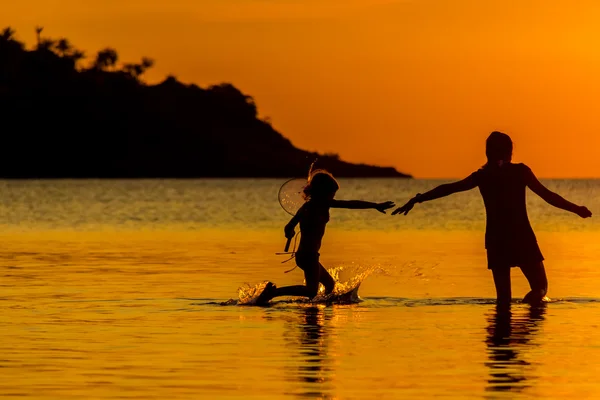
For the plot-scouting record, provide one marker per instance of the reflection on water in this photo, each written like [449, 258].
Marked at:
[309, 341]
[111, 289]
[509, 338]
[313, 347]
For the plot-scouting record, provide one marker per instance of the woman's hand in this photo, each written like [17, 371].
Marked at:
[381, 207]
[408, 206]
[405, 208]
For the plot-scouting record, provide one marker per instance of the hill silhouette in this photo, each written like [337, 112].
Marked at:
[63, 120]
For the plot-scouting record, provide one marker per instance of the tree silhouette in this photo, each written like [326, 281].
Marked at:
[147, 63]
[38, 33]
[7, 34]
[136, 70]
[63, 47]
[133, 129]
[46, 44]
[105, 59]
[77, 55]
[8, 42]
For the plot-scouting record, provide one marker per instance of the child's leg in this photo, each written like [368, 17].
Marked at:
[503, 290]
[536, 276]
[311, 275]
[326, 279]
[296, 290]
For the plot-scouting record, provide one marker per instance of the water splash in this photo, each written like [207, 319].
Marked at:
[248, 294]
[344, 292]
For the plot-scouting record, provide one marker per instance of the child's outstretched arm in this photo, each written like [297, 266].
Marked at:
[361, 205]
[553, 198]
[441, 191]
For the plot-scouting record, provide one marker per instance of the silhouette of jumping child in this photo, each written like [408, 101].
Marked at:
[312, 217]
[509, 239]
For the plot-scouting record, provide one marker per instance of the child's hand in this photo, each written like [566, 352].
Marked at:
[289, 232]
[381, 207]
[405, 208]
[583, 212]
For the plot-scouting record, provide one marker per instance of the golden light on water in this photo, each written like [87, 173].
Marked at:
[105, 298]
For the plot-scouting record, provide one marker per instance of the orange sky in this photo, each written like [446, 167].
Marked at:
[417, 84]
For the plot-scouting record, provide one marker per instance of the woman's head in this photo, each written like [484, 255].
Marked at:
[322, 185]
[498, 148]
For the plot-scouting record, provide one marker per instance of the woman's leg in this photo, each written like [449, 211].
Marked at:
[503, 290]
[326, 279]
[538, 282]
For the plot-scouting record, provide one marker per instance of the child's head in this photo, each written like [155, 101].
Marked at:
[322, 186]
[498, 148]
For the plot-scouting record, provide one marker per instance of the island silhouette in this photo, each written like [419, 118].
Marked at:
[63, 119]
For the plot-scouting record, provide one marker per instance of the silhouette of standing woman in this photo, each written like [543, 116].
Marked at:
[509, 239]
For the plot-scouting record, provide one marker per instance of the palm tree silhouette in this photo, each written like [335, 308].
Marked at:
[7, 34]
[8, 42]
[38, 32]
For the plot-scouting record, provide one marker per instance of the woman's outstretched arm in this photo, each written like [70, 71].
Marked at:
[441, 191]
[554, 198]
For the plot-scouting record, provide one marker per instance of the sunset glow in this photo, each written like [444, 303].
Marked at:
[416, 84]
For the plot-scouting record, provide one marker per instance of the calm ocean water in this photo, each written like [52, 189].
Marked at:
[112, 289]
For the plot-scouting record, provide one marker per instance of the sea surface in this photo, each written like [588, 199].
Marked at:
[133, 289]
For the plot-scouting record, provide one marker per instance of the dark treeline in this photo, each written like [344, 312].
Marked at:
[63, 117]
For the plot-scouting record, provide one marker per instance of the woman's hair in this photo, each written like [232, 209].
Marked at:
[498, 148]
[321, 185]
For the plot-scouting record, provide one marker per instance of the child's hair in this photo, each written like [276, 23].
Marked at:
[498, 148]
[321, 185]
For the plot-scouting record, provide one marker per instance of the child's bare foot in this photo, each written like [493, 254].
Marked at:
[267, 294]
